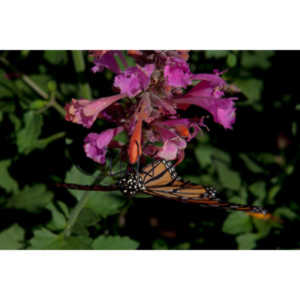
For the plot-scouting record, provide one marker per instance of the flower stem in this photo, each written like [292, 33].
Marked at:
[78, 208]
[25, 78]
[34, 86]
[79, 65]
[59, 108]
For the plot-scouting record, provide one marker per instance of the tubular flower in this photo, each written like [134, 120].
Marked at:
[107, 59]
[208, 95]
[85, 112]
[95, 145]
[155, 121]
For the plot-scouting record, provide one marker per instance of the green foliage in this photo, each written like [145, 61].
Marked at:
[114, 243]
[12, 238]
[246, 241]
[44, 239]
[27, 137]
[252, 88]
[250, 164]
[255, 163]
[7, 182]
[31, 199]
[229, 179]
[56, 57]
[237, 222]
[256, 59]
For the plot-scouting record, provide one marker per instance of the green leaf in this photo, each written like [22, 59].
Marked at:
[203, 155]
[246, 241]
[258, 189]
[252, 88]
[38, 104]
[64, 208]
[266, 158]
[102, 203]
[44, 239]
[15, 120]
[58, 221]
[114, 243]
[263, 227]
[12, 238]
[228, 178]
[31, 199]
[183, 246]
[231, 60]
[250, 164]
[56, 57]
[221, 155]
[6, 181]
[285, 212]
[7, 87]
[272, 193]
[86, 218]
[43, 143]
[160, 244]
[237, 222]
[28, 136]
[237, 200]
[216, 53]
[258, 59]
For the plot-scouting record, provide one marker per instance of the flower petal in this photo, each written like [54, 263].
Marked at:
[177, 72]
[107, 59]
[171, 147]
[134, 80]
[95, 145]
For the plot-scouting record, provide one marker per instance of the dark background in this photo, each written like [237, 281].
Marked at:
[255, 163]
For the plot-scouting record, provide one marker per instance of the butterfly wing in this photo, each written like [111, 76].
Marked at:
[158, 173]
[191, 193]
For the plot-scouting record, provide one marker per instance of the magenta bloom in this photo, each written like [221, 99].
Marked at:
[177, 72]
[85, 112]
[208, 95]
[134, 80]
[171, 148]
[154, 120]
[107, 59]
[95, 145]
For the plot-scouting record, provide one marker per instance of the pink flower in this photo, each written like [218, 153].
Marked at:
[107, 59]
[85, 112]
[171, 148]
[208, 95]
[177, 72]
[95, 145]
[154, 121]
[134, 80]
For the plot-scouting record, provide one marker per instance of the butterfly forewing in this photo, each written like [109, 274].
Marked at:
[158, 173]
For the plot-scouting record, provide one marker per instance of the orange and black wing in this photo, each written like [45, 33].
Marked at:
[158, 173]
[191, 193]
[161, 180]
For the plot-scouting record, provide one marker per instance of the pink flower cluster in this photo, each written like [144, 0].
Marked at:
[154, 96]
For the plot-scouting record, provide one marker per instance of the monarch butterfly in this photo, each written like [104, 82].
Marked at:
[159, 179]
